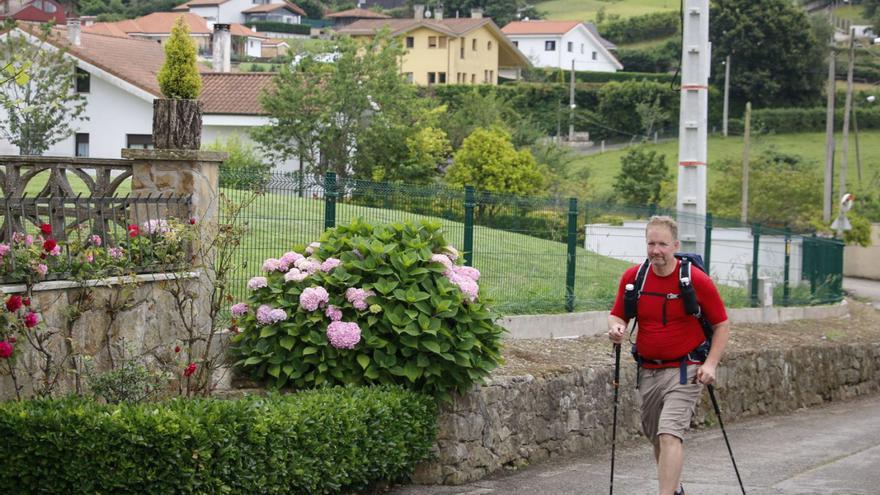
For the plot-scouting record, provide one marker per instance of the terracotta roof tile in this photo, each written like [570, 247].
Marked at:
[155, 23]
[397, 26]
[539, 27]
[271, 7]
[236, 93]
[242, 30]
[359, 13]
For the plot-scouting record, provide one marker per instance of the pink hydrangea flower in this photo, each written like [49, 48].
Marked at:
[290, 258]
[116, 252]
[239, 309]
[467, 285]
[343, 335]
[329, 264]
[42, 269]
[257, 283]
[271, 265]
[467, 271]
[443, 260]
[334, 313]
[358, 297]
[95, 239]
[311, 248]
[313, 298]
[159, 226]
[295, 275]
[451, 252]
[307, 265]
[266, 315]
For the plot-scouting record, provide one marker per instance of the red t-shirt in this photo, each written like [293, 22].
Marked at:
[682, 332]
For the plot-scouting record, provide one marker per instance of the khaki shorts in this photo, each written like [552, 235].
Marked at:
[667, 405]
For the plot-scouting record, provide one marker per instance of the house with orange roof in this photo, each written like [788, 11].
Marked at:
[558, 44]
[117, 77]
[346, 17]
[33, 11]
[470, 50]
[244, 11]
[157, 27]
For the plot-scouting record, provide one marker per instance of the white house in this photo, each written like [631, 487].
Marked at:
[118, 79]
[241, 11]
[558, 43]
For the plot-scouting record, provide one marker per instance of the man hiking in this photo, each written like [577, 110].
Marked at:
[674, 357]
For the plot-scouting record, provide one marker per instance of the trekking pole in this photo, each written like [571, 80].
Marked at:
[614, 423]
[720, 423]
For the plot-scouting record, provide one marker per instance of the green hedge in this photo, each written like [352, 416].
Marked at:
[551, 75]
[317, 442]
[662, 58]
[279, 27]
[791, 120]
[641, 28]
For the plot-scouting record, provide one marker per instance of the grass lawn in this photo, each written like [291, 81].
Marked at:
[585, 10]
[811, 146]
[853, 13]
[642, 45]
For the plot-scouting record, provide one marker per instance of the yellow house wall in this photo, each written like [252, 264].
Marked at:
[475, 62]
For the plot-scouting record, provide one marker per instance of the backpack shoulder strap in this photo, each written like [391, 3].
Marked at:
[642, 276]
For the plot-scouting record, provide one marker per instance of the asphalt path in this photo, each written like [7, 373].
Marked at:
[833, 449]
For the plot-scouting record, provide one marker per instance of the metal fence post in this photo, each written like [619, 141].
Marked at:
[756, 235]
[786, 288]
[571, 259]
[330, 200]
[811, 264]
[707, 252]
[469, 225]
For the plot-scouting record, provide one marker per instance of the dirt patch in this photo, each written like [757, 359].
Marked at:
[545, 357]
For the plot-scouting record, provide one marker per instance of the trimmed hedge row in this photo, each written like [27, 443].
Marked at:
[279, 27]
[550, 75]
[317, 442]
[641, 27]
[791, 120]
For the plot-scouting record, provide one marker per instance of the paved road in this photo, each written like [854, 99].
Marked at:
[827, 450]
[862, 287]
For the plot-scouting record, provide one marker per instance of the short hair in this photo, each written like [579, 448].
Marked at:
[665, 221]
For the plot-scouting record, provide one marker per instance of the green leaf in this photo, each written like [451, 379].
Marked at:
[363, 360]
[253, 360]
[274, 370]
[268, 331]
[411, 371]
[432, 346]
[287, 342]
[309, 350]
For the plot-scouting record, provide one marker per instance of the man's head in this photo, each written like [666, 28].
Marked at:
[661, 235]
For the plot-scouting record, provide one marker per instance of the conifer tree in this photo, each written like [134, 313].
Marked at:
[179, 77]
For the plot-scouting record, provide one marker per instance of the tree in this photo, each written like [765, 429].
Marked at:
[350, 115]
[179, 76]
[488, 161]
[40, 106]
[776, 58]
[474, 109]
[641, 177]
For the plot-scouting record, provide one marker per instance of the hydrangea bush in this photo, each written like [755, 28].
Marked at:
[368, 304]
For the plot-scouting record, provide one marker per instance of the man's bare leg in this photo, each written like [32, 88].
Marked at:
[669, 463]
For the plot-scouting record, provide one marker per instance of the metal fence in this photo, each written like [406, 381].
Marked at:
[536, 254]
[77, 218]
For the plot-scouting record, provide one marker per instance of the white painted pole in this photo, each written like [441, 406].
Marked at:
[693, 126]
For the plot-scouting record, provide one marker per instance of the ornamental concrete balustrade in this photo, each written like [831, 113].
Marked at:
[148, 324]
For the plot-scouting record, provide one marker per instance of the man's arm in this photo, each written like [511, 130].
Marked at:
[706, 372]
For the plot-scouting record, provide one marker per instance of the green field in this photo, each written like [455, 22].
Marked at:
[811, 146]
[585, 10]
[852, 13]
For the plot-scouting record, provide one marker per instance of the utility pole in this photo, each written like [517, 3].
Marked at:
[693, 125]
[856, 135]
[745, 175]
[571, 105]
[831, 90]
[846, 114]
[726, 92]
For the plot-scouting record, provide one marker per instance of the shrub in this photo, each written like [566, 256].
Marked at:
[488, 161]
[642, 173]
[663, 58]
[641, 27]
[179, 76]
[371, 305]
[279, 27]
[320, 442]
[792, 120]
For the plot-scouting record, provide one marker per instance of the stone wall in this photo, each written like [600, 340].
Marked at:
[861, 261]
[513, 421]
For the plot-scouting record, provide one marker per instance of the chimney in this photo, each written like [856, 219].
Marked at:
[438, 12]
[418, 11]
[73, 31]
[476, 13]
[222, 48]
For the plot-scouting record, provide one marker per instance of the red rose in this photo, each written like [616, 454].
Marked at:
[190, 369]
[133, 230]
[46, 229]
[31, 319]
[49, 245]
[5, 349]
[13, 303]
[26, 301]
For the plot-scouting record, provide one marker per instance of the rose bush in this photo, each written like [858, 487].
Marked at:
[368, 304]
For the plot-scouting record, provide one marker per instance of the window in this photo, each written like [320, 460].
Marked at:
[474, 44]
[82, 145]
[432, 42]
[410, 42]
[442, 77]
[432, 78]
[570, 47]
[49, 7]
[489, 46]
[485, 76]
[516, 44]
[582, 48]
[442, 41]
[139, 141]
[595, 56]
[473, 79]
[549, 46]
[461, 51]
[83, 81]
[408, 76]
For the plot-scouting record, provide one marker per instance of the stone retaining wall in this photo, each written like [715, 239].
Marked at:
[514, 421]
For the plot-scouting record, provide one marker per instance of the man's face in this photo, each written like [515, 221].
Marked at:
[661, 246]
